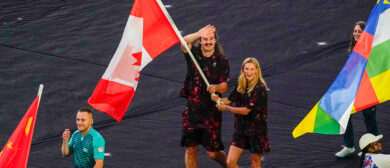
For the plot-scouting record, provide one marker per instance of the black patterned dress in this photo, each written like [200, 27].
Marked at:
[201, 119]
[250, 131]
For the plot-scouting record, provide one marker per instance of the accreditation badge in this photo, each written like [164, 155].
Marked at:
[100, 149]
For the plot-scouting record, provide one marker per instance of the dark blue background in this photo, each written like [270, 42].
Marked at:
[67, 45]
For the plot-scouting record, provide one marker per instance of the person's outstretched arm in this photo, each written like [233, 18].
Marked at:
[236, 110]
[222, 100]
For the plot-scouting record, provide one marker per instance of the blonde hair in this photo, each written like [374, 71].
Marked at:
[243, 85]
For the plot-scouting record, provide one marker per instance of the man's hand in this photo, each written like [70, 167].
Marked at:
[212, 88]
[218, 88]
[65, 140]
[66, 135]
[206, 31]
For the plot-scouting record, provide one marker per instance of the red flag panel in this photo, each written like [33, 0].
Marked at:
[112, 98]
[365, 96]
[363, 46]
[16, 151]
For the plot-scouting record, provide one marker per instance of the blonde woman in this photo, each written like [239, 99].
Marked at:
[250, 121]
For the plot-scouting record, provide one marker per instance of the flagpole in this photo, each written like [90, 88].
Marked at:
[40, 90]
[183, 42]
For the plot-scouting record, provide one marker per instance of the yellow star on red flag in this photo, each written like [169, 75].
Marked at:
[9, 145]
[17, 148]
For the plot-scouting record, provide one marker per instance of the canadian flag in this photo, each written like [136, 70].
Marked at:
[147, 34]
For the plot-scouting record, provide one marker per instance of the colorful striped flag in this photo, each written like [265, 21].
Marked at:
[362, 82]
[147, 34]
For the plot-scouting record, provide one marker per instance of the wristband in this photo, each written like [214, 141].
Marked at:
[228, 108]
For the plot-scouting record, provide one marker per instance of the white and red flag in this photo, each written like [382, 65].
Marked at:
[147, 34]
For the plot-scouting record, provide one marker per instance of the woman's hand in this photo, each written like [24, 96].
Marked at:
[221, 107]
[214, 97]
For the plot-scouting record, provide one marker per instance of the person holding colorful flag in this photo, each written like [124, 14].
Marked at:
[251, 113]
[201, 119]
[362, 82]
[87, 145]
[369, 114]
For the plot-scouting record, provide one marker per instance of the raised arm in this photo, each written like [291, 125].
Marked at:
[190, 38]
[65, 139]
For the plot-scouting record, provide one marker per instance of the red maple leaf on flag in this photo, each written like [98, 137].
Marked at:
[148, 33]
[129, 66]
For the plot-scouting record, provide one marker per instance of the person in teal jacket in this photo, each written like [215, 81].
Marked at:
[86, 144]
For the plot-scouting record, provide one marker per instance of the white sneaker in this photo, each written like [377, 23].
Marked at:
[345, 152]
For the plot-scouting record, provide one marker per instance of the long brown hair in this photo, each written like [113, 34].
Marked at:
[352, 44]
[243, 85]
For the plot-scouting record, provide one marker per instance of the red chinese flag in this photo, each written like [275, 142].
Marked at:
[147, 34]
[16, 150]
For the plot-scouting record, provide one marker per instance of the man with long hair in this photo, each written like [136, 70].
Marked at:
[201, 119]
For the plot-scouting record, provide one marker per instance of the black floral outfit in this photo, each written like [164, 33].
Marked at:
[201, 119]
[250, 131]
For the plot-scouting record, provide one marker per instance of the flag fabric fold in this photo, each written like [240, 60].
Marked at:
[361, 83]
[16, 150]
[147, 34]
